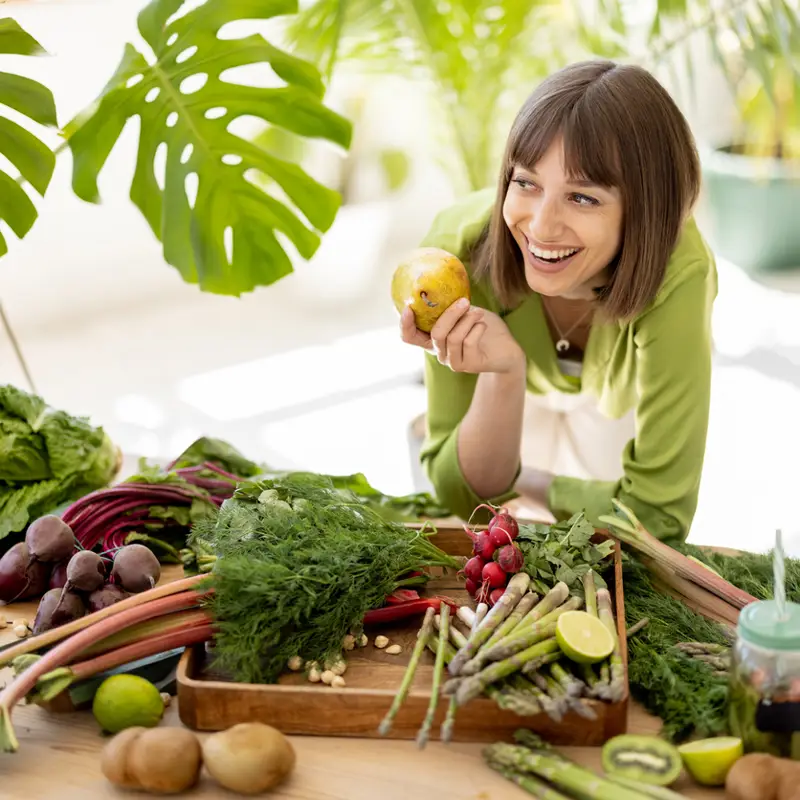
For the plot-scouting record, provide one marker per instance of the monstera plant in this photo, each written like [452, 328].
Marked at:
[218, 223]
[34, 160]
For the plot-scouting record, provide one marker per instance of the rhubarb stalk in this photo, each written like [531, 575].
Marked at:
[627, 528]
[53, 683]
[34, 643]
[19, 687]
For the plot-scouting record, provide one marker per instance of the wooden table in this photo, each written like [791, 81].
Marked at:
[59, 756]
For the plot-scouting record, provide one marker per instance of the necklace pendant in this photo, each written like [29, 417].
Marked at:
[562, 345]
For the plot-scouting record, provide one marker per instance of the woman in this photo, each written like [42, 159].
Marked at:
[592, 293]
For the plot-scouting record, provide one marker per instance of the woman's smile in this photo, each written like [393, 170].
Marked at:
[551, 258]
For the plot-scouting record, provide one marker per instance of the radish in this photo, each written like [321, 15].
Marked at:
[510, 558]
[495, 595]
[472, 587]
[493, 575]
[473, 569]
[482, 595]
[503, 529]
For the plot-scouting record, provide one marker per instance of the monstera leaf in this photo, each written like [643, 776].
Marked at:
[223, 235]
[33, 159]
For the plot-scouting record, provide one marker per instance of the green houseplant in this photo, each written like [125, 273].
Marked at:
[479, 58]
[752, 181]
[220, 225]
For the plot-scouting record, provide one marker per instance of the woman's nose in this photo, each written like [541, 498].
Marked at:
[546, 223]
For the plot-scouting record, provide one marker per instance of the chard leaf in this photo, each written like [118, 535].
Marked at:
[32, 158]
[224, 236]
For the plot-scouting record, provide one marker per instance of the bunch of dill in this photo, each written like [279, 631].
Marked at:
[683, 692]
[297, 568]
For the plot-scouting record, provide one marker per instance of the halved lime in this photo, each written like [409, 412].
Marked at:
[708, 760]
[583, 638]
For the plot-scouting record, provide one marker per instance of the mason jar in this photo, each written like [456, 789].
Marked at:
[764, 701]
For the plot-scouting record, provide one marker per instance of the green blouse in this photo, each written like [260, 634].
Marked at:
[659, 363]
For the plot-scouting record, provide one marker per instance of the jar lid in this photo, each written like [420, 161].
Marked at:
[759, 624]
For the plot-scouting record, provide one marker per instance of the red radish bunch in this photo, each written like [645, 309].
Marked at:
[495, 557]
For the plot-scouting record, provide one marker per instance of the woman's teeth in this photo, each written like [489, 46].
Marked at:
[553, 255]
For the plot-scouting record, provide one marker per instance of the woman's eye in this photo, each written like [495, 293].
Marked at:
[584, 200]
[522, 183]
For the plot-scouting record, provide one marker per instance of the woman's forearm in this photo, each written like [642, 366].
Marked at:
[490, 435]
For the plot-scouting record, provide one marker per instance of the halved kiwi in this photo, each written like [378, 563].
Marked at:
[647, 759]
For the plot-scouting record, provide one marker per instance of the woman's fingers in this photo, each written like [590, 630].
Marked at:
[445, 324]
[410, 333]
[459, 338]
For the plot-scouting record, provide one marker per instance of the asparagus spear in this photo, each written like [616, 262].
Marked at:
[560, 772]
[637, 626]
[522, 639]
[438, 667]
[647, 789]
[532, 786]
[514, 618]
[475, 684]
[514, 592]
[480, 614]
[572, 685]
[590, 591]
[552, 600]
[419, 646]
[597, 686]
[616, 686]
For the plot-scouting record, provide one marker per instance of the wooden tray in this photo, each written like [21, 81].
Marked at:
[209, 702]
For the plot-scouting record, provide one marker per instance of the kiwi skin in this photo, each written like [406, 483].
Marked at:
[647, 759]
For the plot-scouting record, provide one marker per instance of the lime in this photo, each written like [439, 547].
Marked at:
[126, 701]
[708, 760]
[583, 638]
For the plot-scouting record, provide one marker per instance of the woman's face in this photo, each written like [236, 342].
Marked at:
[568, 231]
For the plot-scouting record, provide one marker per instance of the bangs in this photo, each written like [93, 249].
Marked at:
[590, 140]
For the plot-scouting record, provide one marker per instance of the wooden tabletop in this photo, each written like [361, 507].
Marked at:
[59, 756]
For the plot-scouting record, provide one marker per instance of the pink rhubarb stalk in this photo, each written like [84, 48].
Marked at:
[53, 683]
[34, 643]
[630, 531]
[15, 691]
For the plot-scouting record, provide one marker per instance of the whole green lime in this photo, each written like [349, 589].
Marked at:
[126, 701]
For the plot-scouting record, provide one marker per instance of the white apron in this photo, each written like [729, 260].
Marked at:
[567, 435]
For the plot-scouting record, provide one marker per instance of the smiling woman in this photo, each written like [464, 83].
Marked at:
[581, 371]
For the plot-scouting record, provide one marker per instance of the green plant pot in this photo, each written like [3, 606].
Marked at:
[750, 205]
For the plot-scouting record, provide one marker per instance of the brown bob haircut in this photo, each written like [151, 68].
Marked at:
[620, 128]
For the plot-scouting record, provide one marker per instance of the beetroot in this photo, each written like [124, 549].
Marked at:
[49, 539]
[510, 559]
[473, 569]
[18, 580]
[493, 575]
[58, 577]
[472, 587]
[105, 596]
[503, 529]
[52, 611]
[495, 595]
[85, 572]
[136, 568]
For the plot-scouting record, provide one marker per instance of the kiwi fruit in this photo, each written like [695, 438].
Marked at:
[647, 759]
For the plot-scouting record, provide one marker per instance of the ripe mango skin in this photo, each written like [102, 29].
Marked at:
[429, 281]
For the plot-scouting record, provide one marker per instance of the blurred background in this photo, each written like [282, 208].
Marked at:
[309, 371]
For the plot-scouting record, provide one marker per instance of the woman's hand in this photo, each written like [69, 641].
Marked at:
[467, 339]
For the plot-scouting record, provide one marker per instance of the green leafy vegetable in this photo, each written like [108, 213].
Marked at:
[563, 552]
[297, 569]
[224, 239]
[47, 458]
[33, 159]
[219, 452]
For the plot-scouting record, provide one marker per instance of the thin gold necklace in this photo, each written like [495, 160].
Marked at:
[563, 344]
